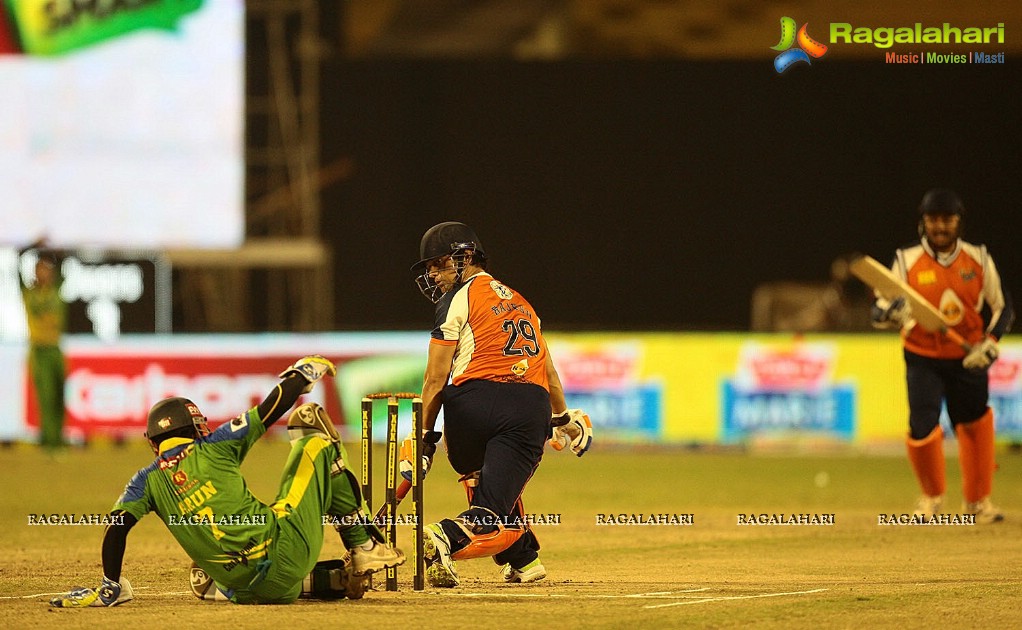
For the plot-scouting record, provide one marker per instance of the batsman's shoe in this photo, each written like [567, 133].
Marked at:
[436, 550]
[378, 558]
[985, 511]
[532, 572]
[928, 506]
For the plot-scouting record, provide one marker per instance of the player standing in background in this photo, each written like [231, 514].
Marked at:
[962, 281]
[503, 398]
[46, 314]
[252, 552]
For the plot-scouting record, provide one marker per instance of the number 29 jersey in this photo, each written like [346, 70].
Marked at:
[496, 331]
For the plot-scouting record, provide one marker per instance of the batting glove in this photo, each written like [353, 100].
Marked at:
[886, 314]
[312, 368]
[108, 594]
[982, 355]
[572, 429]
[429, 440]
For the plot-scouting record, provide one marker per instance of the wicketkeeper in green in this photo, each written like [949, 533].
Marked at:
[244, 550]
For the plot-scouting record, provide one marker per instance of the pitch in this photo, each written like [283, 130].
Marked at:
[631, 537]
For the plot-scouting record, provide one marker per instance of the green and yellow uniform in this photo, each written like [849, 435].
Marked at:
[256, 553]
[46, 314]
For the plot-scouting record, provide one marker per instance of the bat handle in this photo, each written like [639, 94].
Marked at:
[956, 338]
[400, 493]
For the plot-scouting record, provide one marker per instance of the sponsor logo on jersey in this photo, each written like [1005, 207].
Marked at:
[180, 478]
[951, 307]
[502, 291]
[926, 277]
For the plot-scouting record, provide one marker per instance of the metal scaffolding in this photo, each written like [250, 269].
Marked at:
[281, 278]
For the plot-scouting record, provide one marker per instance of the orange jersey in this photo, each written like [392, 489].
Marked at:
[959, 284]
[496, 331]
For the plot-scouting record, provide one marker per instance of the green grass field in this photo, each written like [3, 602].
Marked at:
[714, 573]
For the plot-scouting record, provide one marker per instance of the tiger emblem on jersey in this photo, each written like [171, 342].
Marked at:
[502, 291]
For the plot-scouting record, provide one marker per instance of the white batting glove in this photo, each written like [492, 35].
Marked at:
[896, 312]
[572, 429]
[108, 594]
[312, 368]
[982, 355]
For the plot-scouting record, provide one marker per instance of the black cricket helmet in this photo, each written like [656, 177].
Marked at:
[941, 201]
[174, 417]
[449, 238]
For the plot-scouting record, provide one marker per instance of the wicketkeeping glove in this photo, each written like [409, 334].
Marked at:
[572, 428]
[429, 440]
[982, 355]
[312, 368]
[108, 594]
[897, 312]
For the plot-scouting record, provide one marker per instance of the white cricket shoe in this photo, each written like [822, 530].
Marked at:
[378, 558]
[928, 506]
[985, 511]
[441, 571]
[532, 572]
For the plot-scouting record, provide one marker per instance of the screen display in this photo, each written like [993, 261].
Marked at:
[122, 123]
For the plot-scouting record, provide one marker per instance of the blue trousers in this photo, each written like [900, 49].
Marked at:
[934, 381]
[500, 430]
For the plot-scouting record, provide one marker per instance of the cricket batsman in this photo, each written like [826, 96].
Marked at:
[489, 367]
[962, 281]
[245, 551]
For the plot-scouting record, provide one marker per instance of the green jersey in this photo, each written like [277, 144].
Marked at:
[196, 487]
[45, 312]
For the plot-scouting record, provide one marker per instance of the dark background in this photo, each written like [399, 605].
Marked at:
[621, 195]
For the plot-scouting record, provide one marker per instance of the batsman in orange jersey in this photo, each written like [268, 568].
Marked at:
[489, 368]
[962, 281]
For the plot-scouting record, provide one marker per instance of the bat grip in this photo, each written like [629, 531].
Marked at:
[953, 336]
[400, 493]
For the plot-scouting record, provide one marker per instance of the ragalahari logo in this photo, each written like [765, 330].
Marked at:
[807, 46]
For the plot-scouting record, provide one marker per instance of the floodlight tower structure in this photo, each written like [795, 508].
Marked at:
[282, 257]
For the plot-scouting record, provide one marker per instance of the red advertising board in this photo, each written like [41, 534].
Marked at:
[112, 394]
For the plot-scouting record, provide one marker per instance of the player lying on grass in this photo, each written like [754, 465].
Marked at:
[244, 550]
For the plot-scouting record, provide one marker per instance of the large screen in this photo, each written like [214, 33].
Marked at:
[122, 123]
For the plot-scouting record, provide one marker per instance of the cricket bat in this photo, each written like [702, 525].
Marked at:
[890, 286]
[402, 490]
